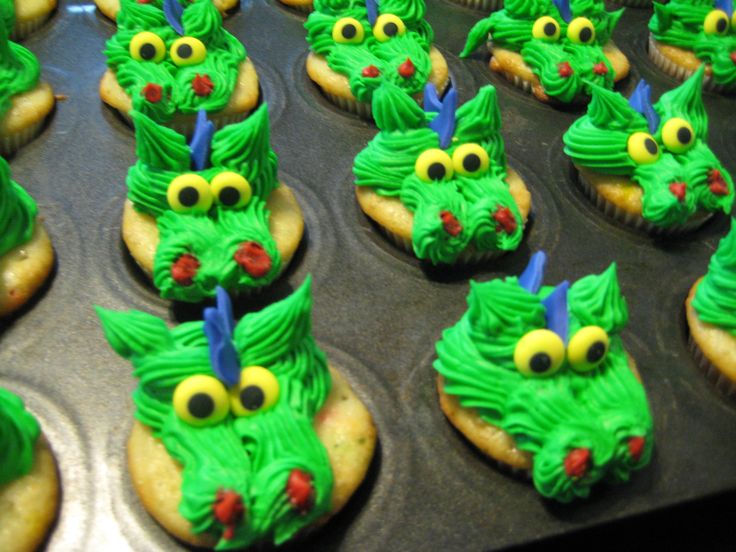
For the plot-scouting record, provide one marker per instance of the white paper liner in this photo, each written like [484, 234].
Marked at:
[713, 374]
[483, 5]
[11, 143]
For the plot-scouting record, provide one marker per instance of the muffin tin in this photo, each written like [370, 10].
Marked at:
[377, 311]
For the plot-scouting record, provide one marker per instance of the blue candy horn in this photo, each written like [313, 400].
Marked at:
[641, 101]
[218, 327]
[372, 7]
[173, 12]
[563, 6]
[444, 123]
[725, 5]
[558, 319]
[201, 141]
[533, 275]
[432, 102]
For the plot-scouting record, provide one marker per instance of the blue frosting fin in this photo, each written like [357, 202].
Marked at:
[173, 12]
[563, 6]
[558, 319]
[218, 327]
[725, 5]
[533, 275]
[444, 123]
[201, 141]
[641, 101]
[372, 7]
[432, 102]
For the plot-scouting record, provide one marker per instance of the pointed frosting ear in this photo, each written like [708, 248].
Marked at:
[686, 101]
[663, 16]
[479, 119]
[8, 17]
[158, 146]
[395, 111]
[596, 300]
[135, 15]
[202, 20]
[607, 25]
[134, 333]
[608, 109]
[477, 36]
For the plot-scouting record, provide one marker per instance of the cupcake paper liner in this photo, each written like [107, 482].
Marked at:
[713, 374]
[635, 3]
[483, 5]
[186, 127]
[23, 29]
[350, 105]
[10, 143]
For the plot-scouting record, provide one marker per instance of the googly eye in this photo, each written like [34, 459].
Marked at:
[189, 193]
[231, 190]
[147, 46]
[258, 391]
[201, 401]
[348, 31]
[587, 348]
[581, 31]
[188, 50]
[388, 26]
[539, 353]
[642, 148]
[678, 135]
[470, 160]
[546, 28]
[433, 164]
[733, 20]
[716, 23]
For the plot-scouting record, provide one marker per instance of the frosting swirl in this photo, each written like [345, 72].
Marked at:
[19, 431]
[17, 212]
[715, 298]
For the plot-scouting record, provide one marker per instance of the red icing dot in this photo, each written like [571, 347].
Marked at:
[371, 72]
[202, 85]
[253, 258]
[564, 69]
[185, 269]
[505, 221]
[450, 223]
[576, 463]
[407, 69]
[678, 190]
[299, 489]
[228, 510]
[145, 1]
[636, 447]
[733, 57]
[716, 182]
[153, 92]
[600, 68]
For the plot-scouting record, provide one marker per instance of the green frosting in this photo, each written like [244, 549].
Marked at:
[599, 141]
[715, 298]
[681, 23]
[7, 13]
[387, 165]
[19, 68]
[213, 237]
[511, 28]
[19, 431]
[221, 65]
[17, 212]
[602, 411]
[250, 455]
[351, 59]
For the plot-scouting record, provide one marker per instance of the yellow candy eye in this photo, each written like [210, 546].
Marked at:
[258, 391]
[188, 193]
[433, 164]
[716, 23]
[546, 28]
[587, 348]
[231, 190]
[188, 50]
[539, 353]
[147, 46]
[348, 31]
[581, 31]
[470, 159]
[201, 401]
[733, 20]
[678, 135]
[388, 26]
[642, 148]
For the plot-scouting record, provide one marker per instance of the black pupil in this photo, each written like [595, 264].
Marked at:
[148, 51]
[586, 34]
[596, 352]
[188, 196]
[651, 146]
[229, 196]
[550, 29]
[184, 51]
[436, 171]
[201, 405]
[349, 31]
[684, 135]
[721, 25]
[471, 163]
[251, 397]
[390, 29]
[540, 363]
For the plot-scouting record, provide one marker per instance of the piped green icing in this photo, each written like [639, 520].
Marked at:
[601, 410]
[19, 68]
[251, 455]
[19, 431]
[7, 13]
[599, 141]
[715, 298]
[17, 212]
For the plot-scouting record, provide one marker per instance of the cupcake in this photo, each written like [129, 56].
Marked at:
[26, 256]
[25, 101]
[110, 8]
[686, 34]
[211, 212]
[29, 486]
[244, 436]
[304, 6]
[356, 46]
[711, 316]
[482, 5]
[556, 50]
[171, 61]
[436, 181]
[648, 165]
[539, 380]
[22, 17]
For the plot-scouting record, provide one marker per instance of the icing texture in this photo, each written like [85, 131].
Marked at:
[582, 422]
[395, 49]
[17, 212]
[568, 58]
[686, 24]
[19, 68]
[678, 178]
[247, 458]
[145, 55]
[213, 222]
[457, 207]
[19, 431]
[715, 298]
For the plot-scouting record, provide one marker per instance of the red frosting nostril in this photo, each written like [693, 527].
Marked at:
[450, 223]
[505, 221]
[577, 462]
[371, 72]
[152, 92]
[202, 85]
[600, 68]
[407, 69]
[228, 510]
[716, 182]
[299, 489]
[564, 69]
[636, 447]
[253, 258]
[185, 269]
[678, 189]
[733, 57]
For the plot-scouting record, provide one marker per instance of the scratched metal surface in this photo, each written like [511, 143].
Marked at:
[377, 311]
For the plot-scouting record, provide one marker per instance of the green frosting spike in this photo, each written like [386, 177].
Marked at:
[19, 431]
[17, 212]
[715, 298]
[394, 111]
[686, 102]
[7, 12]
[597, 300]
[19, 68]
[160, 147]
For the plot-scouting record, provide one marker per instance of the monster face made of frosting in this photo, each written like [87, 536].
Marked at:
[565, 43]
[548, 367]
[447, 166]
[235, 404]
[662, 147]
[703, 27]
